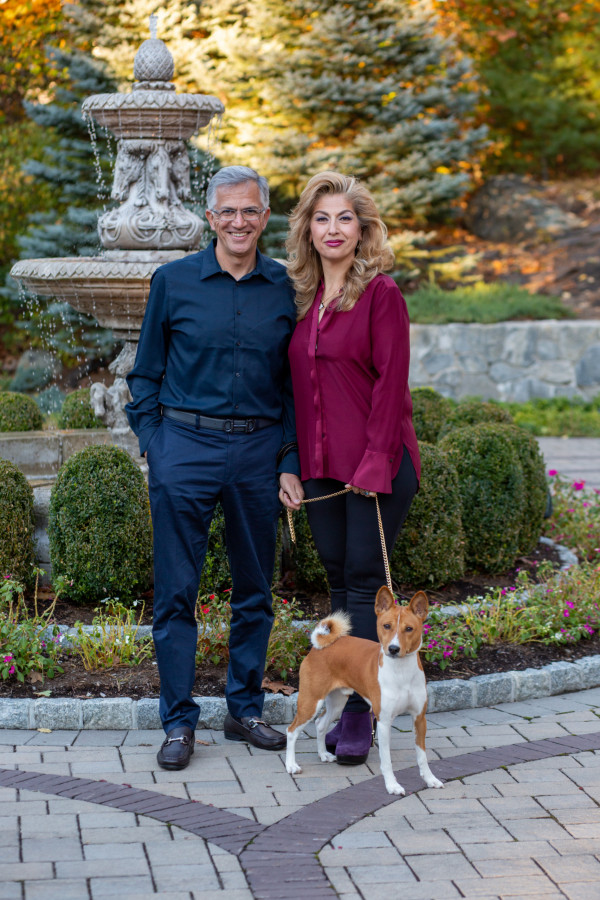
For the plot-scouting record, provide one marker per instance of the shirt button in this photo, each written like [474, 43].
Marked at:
[239, 312]
[237, 406]
[237, 374]
[238, 344]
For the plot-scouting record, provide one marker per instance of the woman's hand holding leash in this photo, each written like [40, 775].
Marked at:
[356, 490]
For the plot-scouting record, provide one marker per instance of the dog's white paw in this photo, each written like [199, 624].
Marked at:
[433, 782]
[293, 768]
[394, 788]
[327, 757]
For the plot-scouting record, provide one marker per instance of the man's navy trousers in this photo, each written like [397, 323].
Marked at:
[190, 470]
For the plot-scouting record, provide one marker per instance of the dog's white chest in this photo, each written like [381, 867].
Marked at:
[402, 685]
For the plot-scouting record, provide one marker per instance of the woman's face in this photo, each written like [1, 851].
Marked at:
[334, 228]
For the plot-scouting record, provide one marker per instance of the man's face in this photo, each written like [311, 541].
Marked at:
[238, 238]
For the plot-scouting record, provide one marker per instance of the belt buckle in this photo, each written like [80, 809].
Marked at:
[228, 425]
[250, 426]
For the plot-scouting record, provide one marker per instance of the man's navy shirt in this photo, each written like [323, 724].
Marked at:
[213, 345]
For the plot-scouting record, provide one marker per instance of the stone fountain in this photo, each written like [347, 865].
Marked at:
[151, 225]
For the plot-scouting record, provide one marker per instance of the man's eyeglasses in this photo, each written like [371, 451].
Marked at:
[250, 214]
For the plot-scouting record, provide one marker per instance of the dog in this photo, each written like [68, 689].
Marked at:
[389, 675]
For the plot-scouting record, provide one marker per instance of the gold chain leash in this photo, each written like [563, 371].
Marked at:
[386, 564]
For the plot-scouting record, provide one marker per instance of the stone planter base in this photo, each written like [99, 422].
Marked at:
[124, 714]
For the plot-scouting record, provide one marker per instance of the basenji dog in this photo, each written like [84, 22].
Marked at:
[389, 675]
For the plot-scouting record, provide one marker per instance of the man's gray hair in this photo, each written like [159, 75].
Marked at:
[231, 175]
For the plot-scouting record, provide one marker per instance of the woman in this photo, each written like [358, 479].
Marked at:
[349, 357]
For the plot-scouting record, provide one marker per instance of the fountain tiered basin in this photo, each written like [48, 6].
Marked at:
[151, 224]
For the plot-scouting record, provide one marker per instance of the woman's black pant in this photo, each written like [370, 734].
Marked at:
[346, 535]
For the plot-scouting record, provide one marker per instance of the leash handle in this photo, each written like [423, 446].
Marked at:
[386, 564]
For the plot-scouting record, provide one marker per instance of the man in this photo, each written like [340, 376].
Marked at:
[213, 410]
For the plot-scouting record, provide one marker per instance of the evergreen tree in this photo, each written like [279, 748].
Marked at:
[367, 87]
[77, 172]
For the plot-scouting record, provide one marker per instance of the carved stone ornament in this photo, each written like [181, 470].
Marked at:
[151, 179]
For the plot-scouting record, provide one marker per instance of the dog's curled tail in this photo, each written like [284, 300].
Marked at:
[330, 629]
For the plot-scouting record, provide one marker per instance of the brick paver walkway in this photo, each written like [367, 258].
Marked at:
[89, 815]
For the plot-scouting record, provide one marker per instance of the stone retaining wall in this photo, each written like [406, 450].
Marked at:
[510, 361]
[40, 454]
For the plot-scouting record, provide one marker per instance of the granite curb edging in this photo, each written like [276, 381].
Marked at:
[123, 713]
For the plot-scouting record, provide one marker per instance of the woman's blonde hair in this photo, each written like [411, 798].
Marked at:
[373, 254]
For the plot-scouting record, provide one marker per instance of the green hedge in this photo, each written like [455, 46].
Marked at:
[492, 487]
[429, 551]
[310, 575]
[18, 412]
[474, 412]
[99, 526]
[430, 411]
[215, 573]
[76, 411]
[535, 496]
[16, 524]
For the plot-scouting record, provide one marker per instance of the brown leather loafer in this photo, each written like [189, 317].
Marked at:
[177, 748]
[254, 731]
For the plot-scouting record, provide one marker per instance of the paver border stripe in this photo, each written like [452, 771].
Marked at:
[280, 860]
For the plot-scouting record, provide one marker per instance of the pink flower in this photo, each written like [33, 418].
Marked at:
[8, 658]
[552, 473]
[211, 597]
[566, 613]
[578, 485]
[570, 605]
[11, 670]
[447, 653]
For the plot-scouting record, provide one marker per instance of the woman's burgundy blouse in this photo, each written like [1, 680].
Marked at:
[350, 378]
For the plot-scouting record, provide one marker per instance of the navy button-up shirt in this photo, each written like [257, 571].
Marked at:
[213, 345]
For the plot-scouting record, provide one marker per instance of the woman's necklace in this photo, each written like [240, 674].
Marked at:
[327, 300]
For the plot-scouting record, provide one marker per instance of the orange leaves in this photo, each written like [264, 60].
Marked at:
[26, 26]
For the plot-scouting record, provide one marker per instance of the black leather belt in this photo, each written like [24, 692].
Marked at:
[229, 425]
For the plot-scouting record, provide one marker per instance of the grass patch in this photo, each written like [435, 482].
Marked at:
[558, 417]
[481, 303]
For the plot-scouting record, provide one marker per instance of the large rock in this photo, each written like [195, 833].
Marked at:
[510, 208]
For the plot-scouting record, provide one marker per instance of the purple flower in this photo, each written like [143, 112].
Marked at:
[552, 473]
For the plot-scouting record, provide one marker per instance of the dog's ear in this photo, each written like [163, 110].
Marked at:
[419, 605]
[384, 600]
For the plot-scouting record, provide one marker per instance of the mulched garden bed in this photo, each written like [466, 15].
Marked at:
[142, 680]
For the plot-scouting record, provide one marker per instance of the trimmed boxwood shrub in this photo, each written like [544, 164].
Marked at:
[215, 572]
[536, 487]
[311, 577]
[77, 412]
[474, 412]
[16, 524]
[429, 551]
[492, 489]
[430, 411]
[99, 526]
[18, 412]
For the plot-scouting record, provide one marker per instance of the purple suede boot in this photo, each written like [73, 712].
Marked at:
[333, 736]
[356, 738]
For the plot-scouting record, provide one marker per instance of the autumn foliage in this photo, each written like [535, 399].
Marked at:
[26, 28]
[538, 68]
